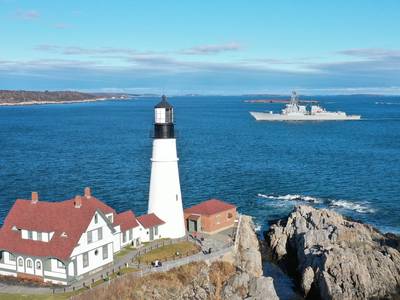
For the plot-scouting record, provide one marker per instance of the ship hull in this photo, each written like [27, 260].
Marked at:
[264, 116]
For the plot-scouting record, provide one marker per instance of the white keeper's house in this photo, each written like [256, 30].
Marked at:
[60, 242]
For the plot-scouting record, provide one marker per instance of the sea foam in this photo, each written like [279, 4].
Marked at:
[290, 197]
[330, 203]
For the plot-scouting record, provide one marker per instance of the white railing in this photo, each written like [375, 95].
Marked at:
[237, 232]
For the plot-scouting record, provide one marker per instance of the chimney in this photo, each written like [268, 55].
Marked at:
[88, 192]
[34, 197]
[78, 201]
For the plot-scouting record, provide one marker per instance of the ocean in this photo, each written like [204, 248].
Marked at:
[264, 168]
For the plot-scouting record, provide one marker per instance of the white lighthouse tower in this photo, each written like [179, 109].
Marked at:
[165, 198]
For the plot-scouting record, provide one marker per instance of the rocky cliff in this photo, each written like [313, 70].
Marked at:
[248, 282]
[335, 258]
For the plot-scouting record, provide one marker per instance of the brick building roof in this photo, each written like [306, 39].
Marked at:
[209, 207]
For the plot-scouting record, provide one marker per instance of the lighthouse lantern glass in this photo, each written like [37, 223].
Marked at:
[163, 115]
[159, 115]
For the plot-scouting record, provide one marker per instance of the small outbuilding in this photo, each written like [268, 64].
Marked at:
[210, 216]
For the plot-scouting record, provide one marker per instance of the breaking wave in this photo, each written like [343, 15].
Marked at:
[331, 203]
[388, 103]
[291, 197]
[257, 227]
[358, 207]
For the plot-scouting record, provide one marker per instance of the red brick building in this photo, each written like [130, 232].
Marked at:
[210, 216]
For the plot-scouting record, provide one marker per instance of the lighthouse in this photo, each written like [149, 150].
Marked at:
[165, 199]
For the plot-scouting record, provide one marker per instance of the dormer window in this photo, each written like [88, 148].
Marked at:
[30, 235]
[64, 234]
[14, 228]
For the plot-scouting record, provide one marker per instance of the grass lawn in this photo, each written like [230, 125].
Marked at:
[123, 271]
[168, 252]
[124, 251]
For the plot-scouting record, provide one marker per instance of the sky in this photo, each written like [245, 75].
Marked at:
[202, 47]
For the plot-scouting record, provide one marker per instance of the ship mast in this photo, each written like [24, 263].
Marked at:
[294, 99]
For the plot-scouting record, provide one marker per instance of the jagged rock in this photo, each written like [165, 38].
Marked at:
[237, 285]
[262, 288]
[335, 258]
[249, 256]
[307, 280]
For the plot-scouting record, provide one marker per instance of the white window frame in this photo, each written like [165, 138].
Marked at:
[105, 252]
[85, 259]
[89, 237]
[29, 263]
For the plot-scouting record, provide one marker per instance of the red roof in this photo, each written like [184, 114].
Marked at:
[150, 220]
[57, 217]
[209, 207]
[126, 220]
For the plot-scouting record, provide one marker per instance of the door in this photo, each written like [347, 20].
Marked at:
[151, 233]
[192, 225]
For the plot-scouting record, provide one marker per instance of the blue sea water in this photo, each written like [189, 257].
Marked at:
[352, 167]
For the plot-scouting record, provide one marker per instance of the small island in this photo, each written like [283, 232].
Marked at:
[21, 97]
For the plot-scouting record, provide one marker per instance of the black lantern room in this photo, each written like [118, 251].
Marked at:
[164, 120]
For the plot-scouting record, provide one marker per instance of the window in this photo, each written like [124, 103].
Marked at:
[89, 237]
[39, 236]
[110, 217]
[30, 235]
[105, 252]
[96, 252]
[230, 215]
[156, 230]
[20, 262]
[60, 265]
[130, 234]
[100, 234]
[85, 259]
[96, 219]
[124, 237]
[29, 263]
[38, 265]
[12, 257]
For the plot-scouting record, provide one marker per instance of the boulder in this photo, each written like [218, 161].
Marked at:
[262, 288]
[333, 257]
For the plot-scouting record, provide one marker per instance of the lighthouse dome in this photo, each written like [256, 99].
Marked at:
[164, 103]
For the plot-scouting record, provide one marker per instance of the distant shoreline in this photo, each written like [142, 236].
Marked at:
[33, 102]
